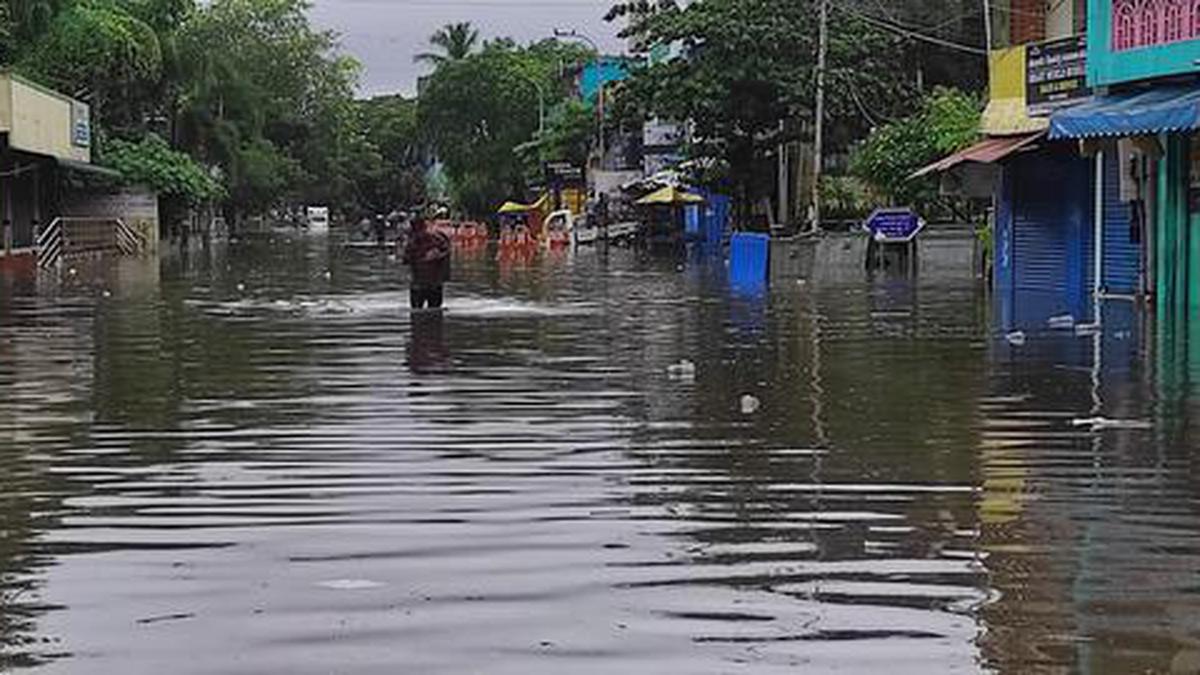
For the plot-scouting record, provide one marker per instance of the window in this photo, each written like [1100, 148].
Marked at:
[1150, 23]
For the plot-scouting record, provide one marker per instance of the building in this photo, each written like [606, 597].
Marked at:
[1144, 65]
[1069, 219]
[40, 130]
[45, 139]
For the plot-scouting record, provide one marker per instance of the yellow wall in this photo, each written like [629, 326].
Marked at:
[37, 120]
[1006, 113]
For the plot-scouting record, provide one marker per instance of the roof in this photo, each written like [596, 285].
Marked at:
[1138, 113]
[669, 196]
[85, 167]
[987, 151]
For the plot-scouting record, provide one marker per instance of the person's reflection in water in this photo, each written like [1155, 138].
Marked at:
[427, 350]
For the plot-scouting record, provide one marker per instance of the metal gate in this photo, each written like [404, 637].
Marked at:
[1122, 251]
[1051, 237]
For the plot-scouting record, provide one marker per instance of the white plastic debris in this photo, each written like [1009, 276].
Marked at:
[328, 275]
[241, 288]
[350, 584]
[750, 404]
[1105, 424]
[684, 371]
[1063, 322]
[1016, 338]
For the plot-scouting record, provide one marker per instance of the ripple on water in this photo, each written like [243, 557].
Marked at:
[301, 476]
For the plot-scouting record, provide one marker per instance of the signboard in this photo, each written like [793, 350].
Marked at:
[564, 174]
[1055, 74]
[894, 226]
[81, 125]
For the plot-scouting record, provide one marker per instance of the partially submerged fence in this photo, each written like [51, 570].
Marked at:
[77, 237]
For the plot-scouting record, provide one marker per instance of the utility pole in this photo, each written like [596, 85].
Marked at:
[574, 34]
[819, 125]
[987, 25]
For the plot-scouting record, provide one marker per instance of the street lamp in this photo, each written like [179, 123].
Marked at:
[572, 34]
[541, 90]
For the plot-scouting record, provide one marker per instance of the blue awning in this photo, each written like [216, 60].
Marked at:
[1154, 111]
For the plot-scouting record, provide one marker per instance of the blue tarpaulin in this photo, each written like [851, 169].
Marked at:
[1154, 111]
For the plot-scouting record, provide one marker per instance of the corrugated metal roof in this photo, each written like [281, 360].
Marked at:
[987, 151]
[1153, 111]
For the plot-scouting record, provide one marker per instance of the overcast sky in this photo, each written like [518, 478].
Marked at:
[385, 34]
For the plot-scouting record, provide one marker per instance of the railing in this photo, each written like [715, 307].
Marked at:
[72, 237]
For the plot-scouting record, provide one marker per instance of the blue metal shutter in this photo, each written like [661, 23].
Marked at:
[1051, 228]
[1121, 253]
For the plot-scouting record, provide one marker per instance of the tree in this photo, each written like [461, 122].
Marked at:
[180, 181]
[268, 99]
[745, 80]
[388, 173]
[173, 174]
[101, 52]
[947, 121]
[477, 111]
[456, 42]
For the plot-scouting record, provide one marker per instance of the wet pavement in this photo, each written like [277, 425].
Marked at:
[252, 460]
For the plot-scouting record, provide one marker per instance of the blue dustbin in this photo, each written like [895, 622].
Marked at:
[749, 259]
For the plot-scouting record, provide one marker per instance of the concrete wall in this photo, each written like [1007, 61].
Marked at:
[137, 207]
[41, 121]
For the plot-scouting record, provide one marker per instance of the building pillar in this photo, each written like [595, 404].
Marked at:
[1098, 239]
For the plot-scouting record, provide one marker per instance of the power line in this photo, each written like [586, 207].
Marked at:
[906, 32]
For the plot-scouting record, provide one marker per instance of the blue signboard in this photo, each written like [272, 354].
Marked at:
[894, 225]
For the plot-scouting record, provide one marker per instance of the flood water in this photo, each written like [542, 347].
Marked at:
[252, 459]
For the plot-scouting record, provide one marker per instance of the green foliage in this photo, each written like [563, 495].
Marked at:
[476, 111]
[267, 98]
[570, 131]
[455, 41]
[747, 66]
[97, 48]
[846, 198]
[387, 171]
[151, 162]
[947, 121]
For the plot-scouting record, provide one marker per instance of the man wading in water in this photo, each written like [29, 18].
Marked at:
[428, 253]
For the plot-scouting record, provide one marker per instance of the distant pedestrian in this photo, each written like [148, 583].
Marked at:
[379, 228]
[427, 252]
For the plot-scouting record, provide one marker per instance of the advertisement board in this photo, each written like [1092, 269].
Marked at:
[1056, 74]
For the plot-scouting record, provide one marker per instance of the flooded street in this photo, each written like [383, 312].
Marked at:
[254, 460]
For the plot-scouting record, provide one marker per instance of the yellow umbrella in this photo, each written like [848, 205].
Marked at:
[670, 196]
[513, 207]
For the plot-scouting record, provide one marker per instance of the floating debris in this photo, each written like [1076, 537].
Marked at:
[1016, 338]
[1064, 322]
[165, 617]
[750, 404]
[684, 371]
[1087, 329]
[1106, 424]
[350, 584]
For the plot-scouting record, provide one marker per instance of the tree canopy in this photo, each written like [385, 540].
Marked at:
[476, 112]
[744, 79]
[454, 41]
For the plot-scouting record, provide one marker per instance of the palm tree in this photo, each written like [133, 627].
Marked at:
[456, 42]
